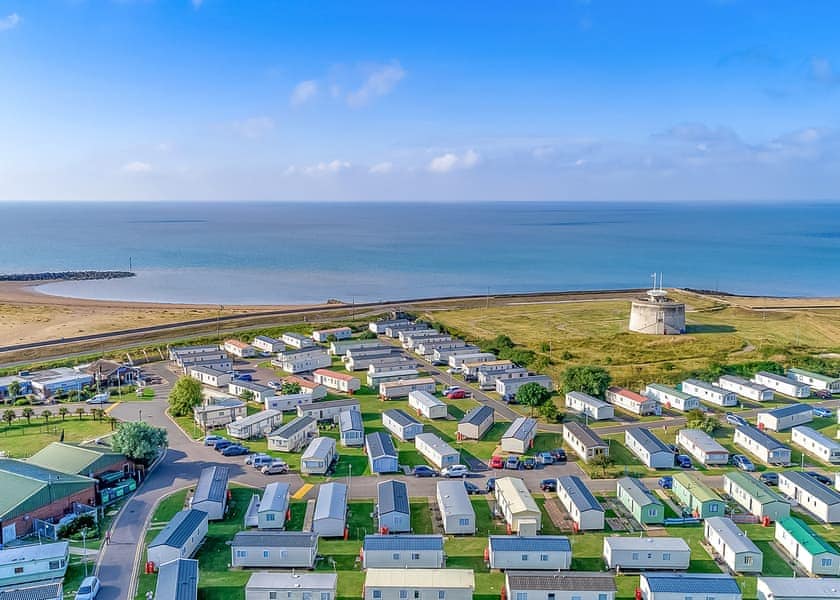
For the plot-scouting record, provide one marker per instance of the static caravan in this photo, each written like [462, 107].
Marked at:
[211, 492]
[288, 402]
[455, 508]
[581, 505]
[317, 390]
[427, 349]
[428, 405]
[403, 552]
[393, 512]
[219, 413]
[470, 370]
[274, 549]
[818, 499]
[411, 338]
[731, 544]
[746, 388]
[351, 428]
[646, 553]
[817, 381]
[541, 585]
[762, 445]
[341, 382]
[797, 588]
[517, 506]
[378, 327]
[456, 361]
[318, 457]
[337, 333]
[176, 579]
[258, 392]
[702, 447]
[330, 516]
[33, 563]
[441, 356]
[176, 353]
[267, 585]
[782, 385]
[391, 374]
[326, 410]
[181, 537]
[816, 556]
[401, 424]
[785, 417]
[699, 498]
[239, 349]
[224, 365]
[361, 360]
[680, 586]
[256, 425]
[403, 387]
[425, 584]
[51, 590]
[584, 441]
[755, 497]
[646, 508]
[476, 422]
[265, 343]
[650, 449]
[294, 435]
[297, 340]
[671, 397]
[708, 392]
[436, 451]
[394, 331]
[519, 437]
[631, 401]
[507, 388]
[539, 552]
[382, 456]
[211, 377]
[300, 361]
[274, 505]
[816, 444]
[592, 407]
[487, 379]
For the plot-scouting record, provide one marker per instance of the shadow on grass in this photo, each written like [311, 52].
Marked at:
[709, 328]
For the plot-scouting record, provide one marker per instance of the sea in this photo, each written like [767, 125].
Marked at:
[280, 253]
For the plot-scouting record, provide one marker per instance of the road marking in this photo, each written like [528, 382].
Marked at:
[112, 407]
[304, 489]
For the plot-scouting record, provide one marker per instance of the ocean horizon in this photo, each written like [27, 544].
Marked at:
[281, 253]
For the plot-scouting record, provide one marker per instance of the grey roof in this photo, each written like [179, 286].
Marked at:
[767, 441]
[392, 496]
[350, 420]
[454, 498]
[265, 338]
[637, 490]
[812, 486]
[792, 409]
[647, 440]
[275, 497]
[219, 403]
[702, 440]
[477, 416]
[273, 580]
[263, 415]
[631, 542]
[743, 381]
[402, 418]
[592, 400]
[292, 427]
[584, 434]
[800, 587]
[379, 444]
[815, 436]
[780, 378]
[579, 493]
[178, 580]
[179, 529]
[708, 386]
[320, 447]
[403, 542]
[561, 582]
[253, 386]
[732, 535]
[36, 591]
[275, 539]
[691, 583]
[212, 484]
[208, 371]
[332, 501]
[519, 543]
[328, 404]
[521, 428]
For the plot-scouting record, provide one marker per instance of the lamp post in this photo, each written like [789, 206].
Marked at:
[84, 550]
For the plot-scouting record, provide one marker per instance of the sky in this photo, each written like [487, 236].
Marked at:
[715, 100]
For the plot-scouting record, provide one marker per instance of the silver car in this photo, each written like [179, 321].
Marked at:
[89, 588]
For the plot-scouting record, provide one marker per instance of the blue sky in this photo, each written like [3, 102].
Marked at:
[421, 101]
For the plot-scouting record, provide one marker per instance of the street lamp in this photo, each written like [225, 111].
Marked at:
[84, 550]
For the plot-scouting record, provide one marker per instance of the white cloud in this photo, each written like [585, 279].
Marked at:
[197, 4]
[136, 166]
[253, 128]
[304, 92]
[823, 71]
[382, 168]
[322, 168]
[451, 161]
[380, 81]
[10, 22]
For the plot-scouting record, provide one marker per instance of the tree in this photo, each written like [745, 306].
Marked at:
[587, 379]
[185, 394]
[97, 413]
[139, 441]
[14, 389]
[9, 416]
[697, 419]
[81, 412]
[503, 341]
[549, 412]
[27, 414]
[604, 461]
[46, 414]
[247, 395]
[368, 335]
[63, 411]
[532, 395]
[290, 387]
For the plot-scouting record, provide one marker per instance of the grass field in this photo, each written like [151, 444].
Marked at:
[21, 440]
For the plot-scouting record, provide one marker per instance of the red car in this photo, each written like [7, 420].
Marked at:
[456, 395]
[497, 462]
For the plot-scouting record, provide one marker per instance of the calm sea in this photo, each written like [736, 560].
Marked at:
[278, 253]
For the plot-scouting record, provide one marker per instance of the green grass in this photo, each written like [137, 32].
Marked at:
[21, 440]
[421, 517]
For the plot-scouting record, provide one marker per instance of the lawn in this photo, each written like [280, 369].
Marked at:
[21, 440]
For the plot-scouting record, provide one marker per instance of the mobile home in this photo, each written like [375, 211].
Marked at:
[455, 508]
[646, 553]
[507, 388]
[746, 388]
[403, 552]
[755, 497]
[176, 579]
[797, 588]
[403, 387]
[816, 444]
[818, 499]
[650, 449]
[679, 586]
[699, 498]
[210, 376]
[729, 542]
[274, 549]
[33, 563]
[517, 506]
[300, 361]
[646, 508]
[816, 556]
[265, 343]
[211, 492]
[318, 457]
[631, 401]
[592, 407]
[542, 585]
[708, 392]
[702, 447]
[341, 382]
[542, 552]
[218, 413]
[785, 417]
[671, 397]
[782, 385]
[330, 517]
[382, 456]
[351, 428]
[476, 422]
[428, 405]
[762, 445]
[274, 505]
[336, 333]
[581, 505]
[256, 425]
[816, 381]
[326, 410]
[265, 585]
[293, 436]
[392, 508]
[425, 584]
[239, 349]
[584, 441]
[401, 424]
[519, 437]
[436, 451]
[297, 340]
[180, 538]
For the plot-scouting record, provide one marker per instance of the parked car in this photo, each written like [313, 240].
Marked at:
[559, 455]
[99, 399]
[450, 389]
[529, 463]
[769, 478]
[545, 458]
[424, 471]
[819, 411]
[472, 488]
[742, 462]
[548, 485]
[683, 461]
[455, 471]
[235, 450]
[819, 477]
[210, 440]
[278, 467]
[490, 485]
[735, 420]
[258, 456]
[497, 462]
[666, 482]
[219, 446]
[457, 395]
[88, 589]
[824, 394]
[244, 377]
[275, 385]
[512, 462]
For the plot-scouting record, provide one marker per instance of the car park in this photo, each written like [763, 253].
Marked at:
[210, 440]
[742, 462]
[512, 462]
[545, 458]
[88, 589]
[490, 485]
[235, 450]
[548, 485]
[769, 478]
[735, 420]
[497, 462]
[278, 467]
[529, 463]
[559, 455]
[820, 411]
[424, 471]
[666, 482]
[219, 446]
[819, 477]
[472, 488]
[455, 471]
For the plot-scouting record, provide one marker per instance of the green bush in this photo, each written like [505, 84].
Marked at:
[22, 402]
[85, 521]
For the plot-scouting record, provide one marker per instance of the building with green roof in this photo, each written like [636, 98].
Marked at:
[646, 508]
[817, 381]
[32, 492]
[79, 459]
[806, 548]
[699, 498]
[755, 497]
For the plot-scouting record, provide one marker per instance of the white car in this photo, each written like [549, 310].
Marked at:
[276, 468]
[99, 399]
[257, 458]
[88, 589]
[455, 471]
